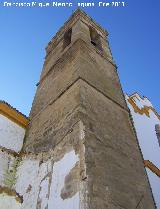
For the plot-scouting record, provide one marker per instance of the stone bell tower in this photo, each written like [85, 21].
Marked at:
[79, 118]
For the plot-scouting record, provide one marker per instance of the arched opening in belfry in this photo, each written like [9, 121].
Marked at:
[67, 38]
[95, 39]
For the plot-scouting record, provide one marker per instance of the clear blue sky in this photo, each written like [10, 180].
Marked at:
[134, 39]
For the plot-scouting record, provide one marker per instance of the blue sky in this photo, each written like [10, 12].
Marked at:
[134, 32]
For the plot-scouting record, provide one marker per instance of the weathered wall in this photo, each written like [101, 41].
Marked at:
[8, 202]
[44, 180]
[52, 101]
[9, 198]
[11, 134]
[79, 61]
[7, 169]
[40, 184]
[53, 179]
[11, 142]
[112, 153]
[145, 127]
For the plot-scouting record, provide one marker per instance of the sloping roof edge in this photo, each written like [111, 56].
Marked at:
[13, 114]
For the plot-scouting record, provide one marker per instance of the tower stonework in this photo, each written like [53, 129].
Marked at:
[79, 116]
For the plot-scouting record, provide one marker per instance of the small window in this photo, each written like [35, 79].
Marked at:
[95, 39]
[67, 38]
[157, 129]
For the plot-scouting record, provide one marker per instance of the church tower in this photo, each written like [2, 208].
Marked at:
[80, 120]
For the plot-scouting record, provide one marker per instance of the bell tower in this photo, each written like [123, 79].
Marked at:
[80, 119]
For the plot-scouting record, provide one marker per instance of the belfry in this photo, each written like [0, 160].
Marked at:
[80, 122]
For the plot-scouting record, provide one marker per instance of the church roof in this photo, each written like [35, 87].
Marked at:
[13, 114]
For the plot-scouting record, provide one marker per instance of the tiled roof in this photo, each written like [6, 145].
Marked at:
[4, 102]
[13, 114]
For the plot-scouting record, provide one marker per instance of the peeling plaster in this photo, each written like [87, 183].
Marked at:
[10, 175]
[27, 176]
[71, 183]
[61, 170]
[48, 180]
[4, 161]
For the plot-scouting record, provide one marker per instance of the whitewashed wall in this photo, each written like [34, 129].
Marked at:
[11, 134]
[145, 128]
[47, 184]
[9, 202]
[39, 184]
